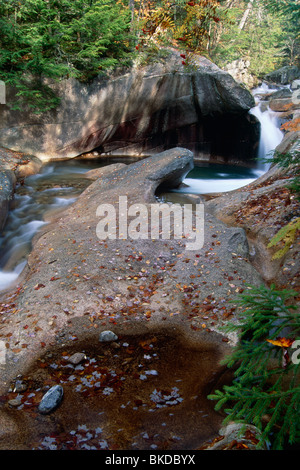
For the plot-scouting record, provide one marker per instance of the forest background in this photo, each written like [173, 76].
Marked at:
[55, 39]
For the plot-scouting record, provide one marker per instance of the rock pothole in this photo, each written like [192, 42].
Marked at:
[144, 391]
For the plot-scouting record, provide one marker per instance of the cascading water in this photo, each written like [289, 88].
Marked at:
[50, 190]
[271, 135]
[55, 187]
[215, 178]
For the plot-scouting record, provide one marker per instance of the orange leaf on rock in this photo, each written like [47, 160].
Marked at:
[281, 342]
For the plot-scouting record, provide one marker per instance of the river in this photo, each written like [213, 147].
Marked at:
[59, 184]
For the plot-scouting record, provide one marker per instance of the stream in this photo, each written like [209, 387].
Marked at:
[215, 178]
[60, 183]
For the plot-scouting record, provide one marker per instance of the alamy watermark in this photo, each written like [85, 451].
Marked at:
[296, 355]
[2, 353]
[2, 92]
[152, 222]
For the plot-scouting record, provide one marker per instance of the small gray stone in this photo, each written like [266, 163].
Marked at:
[77, 358]
[15, 401]
[107, 335]
[51, 399]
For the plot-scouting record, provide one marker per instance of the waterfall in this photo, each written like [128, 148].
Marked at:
[49, 190]
[270, 135]
[221, 178]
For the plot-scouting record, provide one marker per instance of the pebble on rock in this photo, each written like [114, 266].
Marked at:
[51, 399]
[107, 336]
[76, 358]
[15, 401]
[20, 386]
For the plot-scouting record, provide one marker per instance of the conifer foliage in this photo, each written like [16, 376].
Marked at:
[265, 390]
[84, 38]
[57, 39]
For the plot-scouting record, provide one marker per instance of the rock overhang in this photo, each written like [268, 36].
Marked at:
[143, 112]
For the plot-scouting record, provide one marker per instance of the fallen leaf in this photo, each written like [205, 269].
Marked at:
[281, 342]
[38, 286]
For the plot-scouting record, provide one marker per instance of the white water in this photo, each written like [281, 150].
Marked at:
[270, 138]
[26, 218]
[8, 278]
[209, 186]
[271, 135]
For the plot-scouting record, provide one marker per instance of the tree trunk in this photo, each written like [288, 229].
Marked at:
[246, 14]
[131, 6]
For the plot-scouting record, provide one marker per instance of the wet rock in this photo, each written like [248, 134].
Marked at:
[141, 112]
[28, 167]
[295, 85]
[7, 184]
[284, 100]
[51, 399]
[284, 75]
[107, 336]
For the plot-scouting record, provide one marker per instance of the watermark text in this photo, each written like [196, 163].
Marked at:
[154, 221]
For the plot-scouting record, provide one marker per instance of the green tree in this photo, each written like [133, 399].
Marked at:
[265, 32]
[56, 39]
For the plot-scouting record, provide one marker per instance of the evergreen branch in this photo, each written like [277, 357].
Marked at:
[260, 387]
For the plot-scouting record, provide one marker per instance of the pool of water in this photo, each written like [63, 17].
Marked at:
[60, 183]
[143, 392]
[214, 178]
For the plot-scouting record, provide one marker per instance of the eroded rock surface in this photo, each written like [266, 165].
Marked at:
[75, 281]
[262, 209]
[142, 112]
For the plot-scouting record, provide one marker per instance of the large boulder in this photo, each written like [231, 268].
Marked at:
[77, 285]
[142, 112]
[284, 75]
[283, 101]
